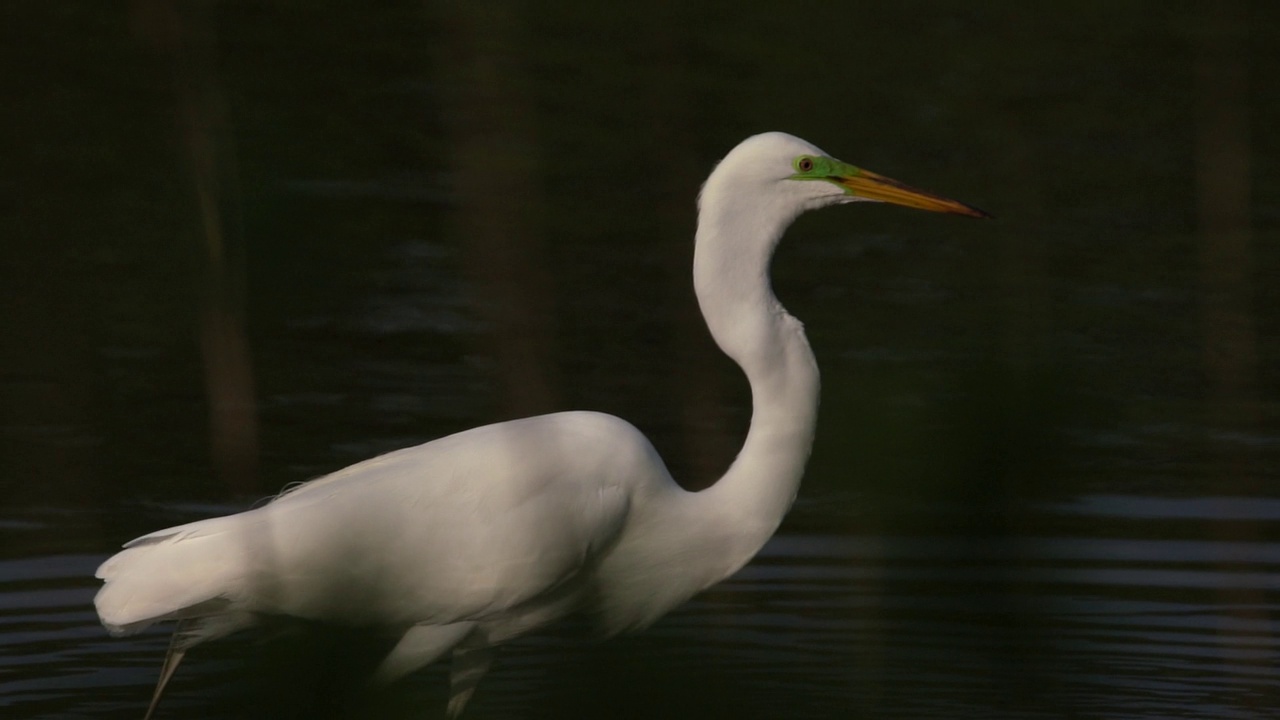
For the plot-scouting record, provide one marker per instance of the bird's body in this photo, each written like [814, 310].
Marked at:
[508, 518]
[472, 539]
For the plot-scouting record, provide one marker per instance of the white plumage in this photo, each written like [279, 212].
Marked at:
[469, 540]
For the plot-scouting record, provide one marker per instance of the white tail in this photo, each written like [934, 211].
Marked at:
[190, 571]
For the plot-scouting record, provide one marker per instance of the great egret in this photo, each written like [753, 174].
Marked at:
[472, 539]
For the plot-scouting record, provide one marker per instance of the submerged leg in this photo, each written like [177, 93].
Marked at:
[420, 645]
[470, 662]
[171, 660]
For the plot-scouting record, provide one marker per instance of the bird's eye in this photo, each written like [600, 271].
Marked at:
[804, 164]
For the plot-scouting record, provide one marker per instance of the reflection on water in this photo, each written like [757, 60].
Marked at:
[1045, 477]
[852, 625]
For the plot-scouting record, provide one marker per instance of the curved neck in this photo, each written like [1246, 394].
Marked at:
[734, 248]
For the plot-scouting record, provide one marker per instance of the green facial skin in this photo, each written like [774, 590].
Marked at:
[824, 168]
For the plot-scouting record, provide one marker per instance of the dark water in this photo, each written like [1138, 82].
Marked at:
[249, 243]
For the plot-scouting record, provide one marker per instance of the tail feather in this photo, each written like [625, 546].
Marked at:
[190, 571]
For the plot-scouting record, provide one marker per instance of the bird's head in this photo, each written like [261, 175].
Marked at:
[798, 176]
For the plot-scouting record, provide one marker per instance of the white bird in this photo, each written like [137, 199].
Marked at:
[470, 540]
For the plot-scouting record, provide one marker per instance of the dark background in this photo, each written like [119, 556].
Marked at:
[247, 243]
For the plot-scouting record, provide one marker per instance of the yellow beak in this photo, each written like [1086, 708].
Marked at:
[882, 189]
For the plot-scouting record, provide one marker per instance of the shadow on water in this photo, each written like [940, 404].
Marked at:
[249, 244]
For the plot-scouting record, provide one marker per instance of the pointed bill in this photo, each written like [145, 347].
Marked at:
[871, 186]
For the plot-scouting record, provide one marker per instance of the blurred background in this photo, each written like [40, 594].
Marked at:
[247, 243]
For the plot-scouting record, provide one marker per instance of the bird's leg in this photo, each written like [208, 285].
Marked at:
[419, 646]
[471, 661]
[172, 658]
